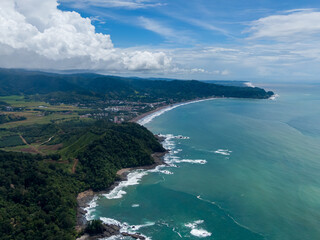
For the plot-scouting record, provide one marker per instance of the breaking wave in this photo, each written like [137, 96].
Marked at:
[224, 152]
[125, 227]
[196, 231]
[133, 178]
[90, 208]
[274, 97]
[249, 84]
[197, 161]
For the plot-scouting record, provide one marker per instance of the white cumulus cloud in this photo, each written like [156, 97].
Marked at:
[36, 32]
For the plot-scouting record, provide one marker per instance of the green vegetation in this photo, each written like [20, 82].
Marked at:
[94, 227]
[42, 98]
[10, 141]
[38, 192]
[4, 118]
[52, 117]
[88, 88]
[116, 149]
[37, 199]
[22, 111]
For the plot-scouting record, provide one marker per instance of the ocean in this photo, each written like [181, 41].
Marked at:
[237, 169]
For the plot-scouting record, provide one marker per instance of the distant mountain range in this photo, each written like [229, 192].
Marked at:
[23, 82]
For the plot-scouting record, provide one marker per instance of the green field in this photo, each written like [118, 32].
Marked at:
[21, 102]
[38, 112]
[10, 141]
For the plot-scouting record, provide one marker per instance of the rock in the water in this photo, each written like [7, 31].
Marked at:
[135, 236]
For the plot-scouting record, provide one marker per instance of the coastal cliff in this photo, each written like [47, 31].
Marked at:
[47, 188]
[84, 198]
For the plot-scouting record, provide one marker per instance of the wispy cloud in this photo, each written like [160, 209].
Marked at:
[163, 30]
[295, 24]
[156, 27]
[194, 14]
[204, 24]
[127, 4]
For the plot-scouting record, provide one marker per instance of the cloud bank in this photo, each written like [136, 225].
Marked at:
[36, 34]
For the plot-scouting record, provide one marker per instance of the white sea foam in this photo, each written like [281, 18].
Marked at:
[91, 207]
[159, 169]
[197, 161]
[194, 224]
[169, 144]
[133, 178]
[137, 227]
[125, 227]
[225, 152]
[274, 97]
[198, 232]
[166, 172]
[110, 221]
[150, 117]
[181, 137]
[179, 234]
[171, 159]
[249, 84]
[177, 151]
[116, 237]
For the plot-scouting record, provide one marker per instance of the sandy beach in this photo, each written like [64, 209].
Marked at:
[170, 106]
[136, 119]
[84, 198]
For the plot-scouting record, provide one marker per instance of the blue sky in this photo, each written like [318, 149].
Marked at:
[192, 39]
[178, 23]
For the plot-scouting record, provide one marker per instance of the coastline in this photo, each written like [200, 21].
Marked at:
[166, 108]
[85, 198]
[141, 116]
[169, 107]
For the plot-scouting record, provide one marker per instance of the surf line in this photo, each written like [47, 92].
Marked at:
[144, 119]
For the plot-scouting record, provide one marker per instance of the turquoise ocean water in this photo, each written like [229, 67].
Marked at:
[244, 169]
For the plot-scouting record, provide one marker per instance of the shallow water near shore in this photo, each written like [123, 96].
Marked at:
[238, 169]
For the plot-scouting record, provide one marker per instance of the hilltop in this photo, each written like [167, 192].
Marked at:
[22, 82]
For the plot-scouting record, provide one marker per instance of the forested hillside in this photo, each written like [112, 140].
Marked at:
[93, 86]
[38, 192]
[63, 134]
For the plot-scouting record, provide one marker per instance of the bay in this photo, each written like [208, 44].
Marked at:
[245, 169]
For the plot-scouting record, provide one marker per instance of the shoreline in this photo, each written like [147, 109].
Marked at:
[84, 198]
[143, 115]
[172, 106]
